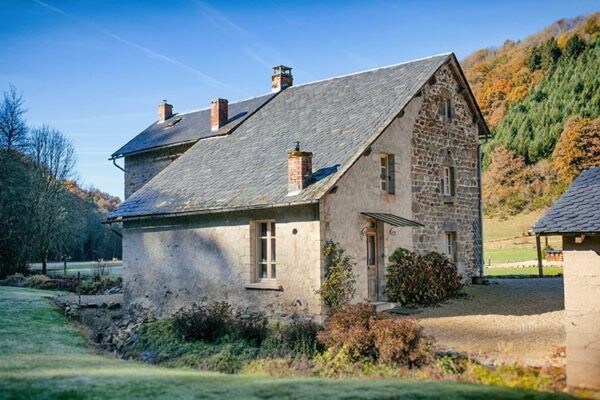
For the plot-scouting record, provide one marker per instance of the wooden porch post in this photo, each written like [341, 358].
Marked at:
[539, 255]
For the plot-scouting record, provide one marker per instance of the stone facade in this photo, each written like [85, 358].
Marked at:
[438, 141]
[171, 263]
[175, 262]
[582, 288]
[142, 167]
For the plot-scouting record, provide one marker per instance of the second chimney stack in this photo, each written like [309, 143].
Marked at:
[165, 111]
[299, 169]
[281, 78]
[218, 113]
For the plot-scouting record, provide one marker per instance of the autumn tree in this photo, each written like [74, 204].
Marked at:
[578, 147]
[575, 46]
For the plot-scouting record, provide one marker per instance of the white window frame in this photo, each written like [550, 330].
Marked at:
[447, 180]
[270, 263]
[447, 108]
[384, 172]
[450, 239]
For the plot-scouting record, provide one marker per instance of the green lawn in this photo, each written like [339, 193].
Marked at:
[498, 256]
[548, 271]
[114, 268]
[42, 356]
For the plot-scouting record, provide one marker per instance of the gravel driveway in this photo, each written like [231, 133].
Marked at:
[511, 320]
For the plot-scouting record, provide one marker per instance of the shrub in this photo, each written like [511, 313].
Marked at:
[251, 327]
[421, 280]
[98, 284]
[399, 342]
[37, 281]
[364, 336]
[350, 328]
[337, 289]
[298, 338]
[206, 322]
[14, 280]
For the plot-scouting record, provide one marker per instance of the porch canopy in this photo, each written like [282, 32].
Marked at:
[391, 219]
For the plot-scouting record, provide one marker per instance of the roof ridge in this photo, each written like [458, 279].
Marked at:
[232, 102]
[371, 70]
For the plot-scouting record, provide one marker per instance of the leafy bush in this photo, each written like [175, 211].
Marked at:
[357, 334]
[17, 280]
[98, 284]
[37, 281]
[399, 342]
[205, 322]
[337, 289]
[298, 338]
[251, 327]
[413, 279]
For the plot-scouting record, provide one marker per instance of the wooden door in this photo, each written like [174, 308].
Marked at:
[372, 268]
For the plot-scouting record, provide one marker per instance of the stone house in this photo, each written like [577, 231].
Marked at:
[576, 217]
[234, 202]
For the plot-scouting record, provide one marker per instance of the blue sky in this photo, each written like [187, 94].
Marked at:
[96, 69]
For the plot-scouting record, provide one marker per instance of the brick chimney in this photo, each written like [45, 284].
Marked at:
[281, 79]
[165, 111]
[218, 113]
[299, 169]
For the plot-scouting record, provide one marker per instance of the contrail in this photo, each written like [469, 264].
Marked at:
[151, 53]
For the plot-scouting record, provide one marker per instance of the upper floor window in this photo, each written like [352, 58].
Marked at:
[266, 260]
[387, 173]
[445, 109]
[448, 183]
[450, 243]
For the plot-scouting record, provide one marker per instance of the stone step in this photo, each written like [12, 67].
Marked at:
[381, 306]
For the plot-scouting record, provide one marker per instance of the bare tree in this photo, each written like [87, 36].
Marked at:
[54, 155]
[13, 129]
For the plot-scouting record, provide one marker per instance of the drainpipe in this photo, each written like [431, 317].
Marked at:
[114, 160]
[480, 193]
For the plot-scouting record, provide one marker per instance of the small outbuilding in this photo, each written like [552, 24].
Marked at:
[576, 217]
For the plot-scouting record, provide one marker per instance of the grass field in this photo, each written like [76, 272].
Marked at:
[508, 240]
[84, 267]
[42, 356]
[516, 272]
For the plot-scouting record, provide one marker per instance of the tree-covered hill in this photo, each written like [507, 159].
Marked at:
[534, 94]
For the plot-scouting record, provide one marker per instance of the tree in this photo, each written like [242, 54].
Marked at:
[13, 129]
[550, 53]
[578, 148]
[575, 46]
[533, 59]
[54, 156]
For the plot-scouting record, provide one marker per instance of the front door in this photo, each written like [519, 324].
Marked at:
[372, 267]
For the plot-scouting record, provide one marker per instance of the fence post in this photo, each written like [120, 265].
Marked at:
[79, 286]
[539, 255]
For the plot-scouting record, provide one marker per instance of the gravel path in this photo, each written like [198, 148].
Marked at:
[511, 320]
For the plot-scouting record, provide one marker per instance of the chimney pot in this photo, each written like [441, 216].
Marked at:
[281, 78]
[165, 111]
[299, 169]
[218, 113]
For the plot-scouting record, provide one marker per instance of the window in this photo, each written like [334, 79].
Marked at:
[387, 173]
[266, 263]
[451, 245]
[448, 181]
[445, 109]
[370, 249]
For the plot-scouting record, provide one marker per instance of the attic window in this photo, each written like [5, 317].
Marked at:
[445, 109]
[174, 122]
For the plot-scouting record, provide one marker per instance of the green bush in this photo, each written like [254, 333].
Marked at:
[37, 281]
[337, 289]
[251, 327]
[17, 280]
[298, 338]
[98, 284]
[204, 322]
[413, 279]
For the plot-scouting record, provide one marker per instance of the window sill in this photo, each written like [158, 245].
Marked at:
[264, 286]
[448, 199]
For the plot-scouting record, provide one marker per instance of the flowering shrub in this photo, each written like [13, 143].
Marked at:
[337, 289]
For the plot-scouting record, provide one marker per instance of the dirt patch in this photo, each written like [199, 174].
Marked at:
[511, 320]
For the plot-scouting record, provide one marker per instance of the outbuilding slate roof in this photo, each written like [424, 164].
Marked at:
[190, 126]
[577, 210]
[336, 119]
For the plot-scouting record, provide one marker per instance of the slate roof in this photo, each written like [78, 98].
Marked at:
[577, 210]
[336, 119]
[190, 126]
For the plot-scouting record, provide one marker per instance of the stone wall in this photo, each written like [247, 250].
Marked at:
[582, 306]
[176, 262]
[142, 167]
[438, 141]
